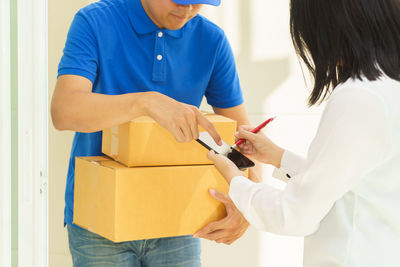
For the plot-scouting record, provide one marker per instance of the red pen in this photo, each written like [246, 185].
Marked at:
[255, 130]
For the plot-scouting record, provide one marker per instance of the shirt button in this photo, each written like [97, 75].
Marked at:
[159, 57]
[160, 34]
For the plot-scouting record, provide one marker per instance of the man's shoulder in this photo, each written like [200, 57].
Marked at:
[101, 7]
[203, 24]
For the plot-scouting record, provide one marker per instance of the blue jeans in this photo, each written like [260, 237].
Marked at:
[89, 249]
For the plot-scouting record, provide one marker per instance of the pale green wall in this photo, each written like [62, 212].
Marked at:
[14, 134]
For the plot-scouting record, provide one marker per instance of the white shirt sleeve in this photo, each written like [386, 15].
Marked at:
[352, 139]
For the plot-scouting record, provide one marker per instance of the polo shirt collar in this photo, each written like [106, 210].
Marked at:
[142, 23]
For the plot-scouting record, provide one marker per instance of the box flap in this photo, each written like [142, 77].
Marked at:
[210, 117]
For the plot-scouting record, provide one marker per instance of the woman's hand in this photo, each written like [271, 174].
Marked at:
[259, 147]
[225, 166]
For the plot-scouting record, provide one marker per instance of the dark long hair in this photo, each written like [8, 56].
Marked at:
[342, 39]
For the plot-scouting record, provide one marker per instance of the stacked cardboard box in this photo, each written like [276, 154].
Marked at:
[151, 186]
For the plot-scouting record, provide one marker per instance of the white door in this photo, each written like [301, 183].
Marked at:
[30, 130]
[5, 135]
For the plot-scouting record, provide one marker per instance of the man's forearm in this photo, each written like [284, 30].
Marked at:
[90, 112]
[237, 113]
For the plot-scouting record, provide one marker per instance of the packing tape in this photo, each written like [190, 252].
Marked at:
[205, 113]
[114, 129]
[114, 140]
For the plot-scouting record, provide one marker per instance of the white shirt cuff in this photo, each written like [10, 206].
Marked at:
[292, 163]
[281, 175]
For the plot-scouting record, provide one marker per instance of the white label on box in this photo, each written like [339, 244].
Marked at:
[114, 141]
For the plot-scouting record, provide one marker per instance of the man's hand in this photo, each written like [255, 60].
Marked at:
[180, 119]
[230, 228]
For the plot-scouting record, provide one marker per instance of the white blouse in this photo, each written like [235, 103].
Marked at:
[345, 197]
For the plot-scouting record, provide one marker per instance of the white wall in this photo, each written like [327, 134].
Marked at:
[273, 84]
[60, 16]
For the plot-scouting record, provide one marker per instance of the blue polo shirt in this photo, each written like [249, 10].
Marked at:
[115, 45]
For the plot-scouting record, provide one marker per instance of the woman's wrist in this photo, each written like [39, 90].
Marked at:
[275, 157]
[278, 156]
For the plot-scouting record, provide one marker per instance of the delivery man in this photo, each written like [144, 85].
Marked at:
[128, 58]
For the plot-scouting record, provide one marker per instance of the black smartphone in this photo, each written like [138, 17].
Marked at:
[240, 160]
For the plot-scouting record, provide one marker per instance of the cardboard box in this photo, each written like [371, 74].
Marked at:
[143, 142]
[125, 204]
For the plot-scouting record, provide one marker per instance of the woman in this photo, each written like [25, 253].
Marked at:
[345, 197]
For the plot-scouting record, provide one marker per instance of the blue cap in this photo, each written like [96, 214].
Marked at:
[193, 2]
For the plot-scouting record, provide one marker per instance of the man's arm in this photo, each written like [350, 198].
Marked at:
[75, 107]
[237, 113]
